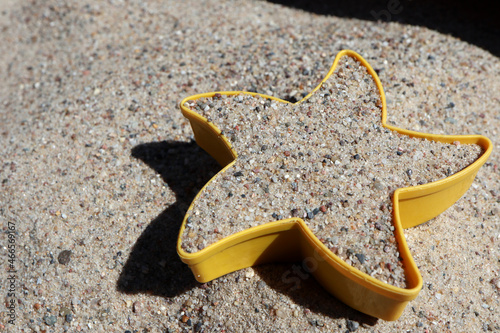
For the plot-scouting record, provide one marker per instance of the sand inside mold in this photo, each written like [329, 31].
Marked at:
[327, 160]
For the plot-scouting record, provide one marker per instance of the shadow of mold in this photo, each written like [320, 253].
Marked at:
[153, 266]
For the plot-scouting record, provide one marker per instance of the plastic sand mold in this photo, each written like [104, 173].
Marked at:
[290, 239]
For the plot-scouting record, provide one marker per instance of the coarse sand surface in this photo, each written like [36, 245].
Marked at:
[98, 166]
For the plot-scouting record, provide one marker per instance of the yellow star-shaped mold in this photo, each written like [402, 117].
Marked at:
[290, 238]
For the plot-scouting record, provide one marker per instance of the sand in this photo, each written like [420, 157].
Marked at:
[97, 159]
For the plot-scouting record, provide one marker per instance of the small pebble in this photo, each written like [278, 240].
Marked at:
[137, 307]
[496, 283]
[280, 313]
[64, 311]
[352, 326]
[198, 327]
[250, 273]
[361, 257]
[64, 257]
[261, 284]
[378, 185]
[50, 320]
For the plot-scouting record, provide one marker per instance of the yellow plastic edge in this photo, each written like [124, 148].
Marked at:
[291, 239]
